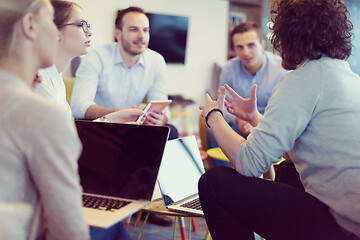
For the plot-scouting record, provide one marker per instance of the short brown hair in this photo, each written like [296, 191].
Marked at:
[243, 28]
[121, 13]
[306, 29]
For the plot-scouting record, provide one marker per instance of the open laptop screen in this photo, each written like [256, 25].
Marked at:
[120, 160]
[180, 169]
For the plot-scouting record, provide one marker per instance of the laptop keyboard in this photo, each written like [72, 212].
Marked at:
[194, 204]
[106, 204]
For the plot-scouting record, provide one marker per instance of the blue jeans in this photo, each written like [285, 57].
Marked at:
[211, 143]
[115, 232]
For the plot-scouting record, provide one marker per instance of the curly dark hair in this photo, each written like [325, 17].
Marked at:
[306, 29]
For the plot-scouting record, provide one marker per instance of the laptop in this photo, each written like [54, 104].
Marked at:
[180, 170]
[118, 168]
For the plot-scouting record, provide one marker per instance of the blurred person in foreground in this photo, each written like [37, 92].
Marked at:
[38, 140]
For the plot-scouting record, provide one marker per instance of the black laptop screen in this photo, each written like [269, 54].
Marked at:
[120, 160]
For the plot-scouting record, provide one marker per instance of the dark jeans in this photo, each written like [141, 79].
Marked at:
[173, 132]
[286, 173]
[235, 206]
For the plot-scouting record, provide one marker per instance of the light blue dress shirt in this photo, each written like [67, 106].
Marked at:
[104, 79]
[238, 78]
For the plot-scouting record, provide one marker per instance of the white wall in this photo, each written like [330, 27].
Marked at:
[206, 43]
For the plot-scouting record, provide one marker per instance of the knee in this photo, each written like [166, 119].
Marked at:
[211, 179]
[173, 132]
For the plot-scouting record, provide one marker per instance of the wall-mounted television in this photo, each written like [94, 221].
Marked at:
[168, 35]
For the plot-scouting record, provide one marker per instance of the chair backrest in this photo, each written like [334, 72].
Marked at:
[69, 84]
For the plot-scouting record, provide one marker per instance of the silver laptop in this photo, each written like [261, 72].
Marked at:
[179, 174]
[118, 168]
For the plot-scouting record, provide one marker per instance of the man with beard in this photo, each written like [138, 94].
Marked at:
[121, 75]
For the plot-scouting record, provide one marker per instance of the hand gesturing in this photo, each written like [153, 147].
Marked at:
[243, 108]
[211, 104]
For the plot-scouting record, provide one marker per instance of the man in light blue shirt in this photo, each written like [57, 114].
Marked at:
[252, 65]
[121, 75]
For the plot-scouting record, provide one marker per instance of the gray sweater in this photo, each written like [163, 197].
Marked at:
[314, 114]
[39, 184]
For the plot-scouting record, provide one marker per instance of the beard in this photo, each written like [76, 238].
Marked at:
[126, 45]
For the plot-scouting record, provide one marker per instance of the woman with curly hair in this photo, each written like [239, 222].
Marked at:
[312, 116]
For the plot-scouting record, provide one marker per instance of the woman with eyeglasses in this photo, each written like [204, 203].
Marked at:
[73, 40]
[40, 194]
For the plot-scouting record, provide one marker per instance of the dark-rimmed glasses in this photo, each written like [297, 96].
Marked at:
[85, 25]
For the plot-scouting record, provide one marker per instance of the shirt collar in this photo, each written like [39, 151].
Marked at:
[265, 60]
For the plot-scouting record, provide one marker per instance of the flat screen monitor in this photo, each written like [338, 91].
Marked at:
[168, 35]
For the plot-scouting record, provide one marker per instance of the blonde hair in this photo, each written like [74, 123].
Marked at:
[10, 14]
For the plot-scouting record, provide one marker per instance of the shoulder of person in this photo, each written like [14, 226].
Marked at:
[102, 53]
[272, 57]
[152, 56]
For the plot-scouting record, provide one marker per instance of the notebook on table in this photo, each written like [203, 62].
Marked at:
[180, 170]
[118, 168]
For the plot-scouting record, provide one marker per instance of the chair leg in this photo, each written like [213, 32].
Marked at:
[207, 235]
[182, 228]
[193, 224]
[137, 221]
[190, 224]
[174, 234]
[143, 226]
[127, 222]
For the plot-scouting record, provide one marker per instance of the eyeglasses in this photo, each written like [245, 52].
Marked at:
[85, 25]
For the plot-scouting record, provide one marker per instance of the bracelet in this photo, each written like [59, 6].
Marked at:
[211, 111]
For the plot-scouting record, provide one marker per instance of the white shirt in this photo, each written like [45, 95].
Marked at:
[39, 181]
[104, 79]
[314, 115]
[52, 87]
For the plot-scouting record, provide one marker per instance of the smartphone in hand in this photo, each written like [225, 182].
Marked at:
[153, 106]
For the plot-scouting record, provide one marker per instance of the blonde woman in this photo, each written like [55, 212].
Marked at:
[40, 194]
